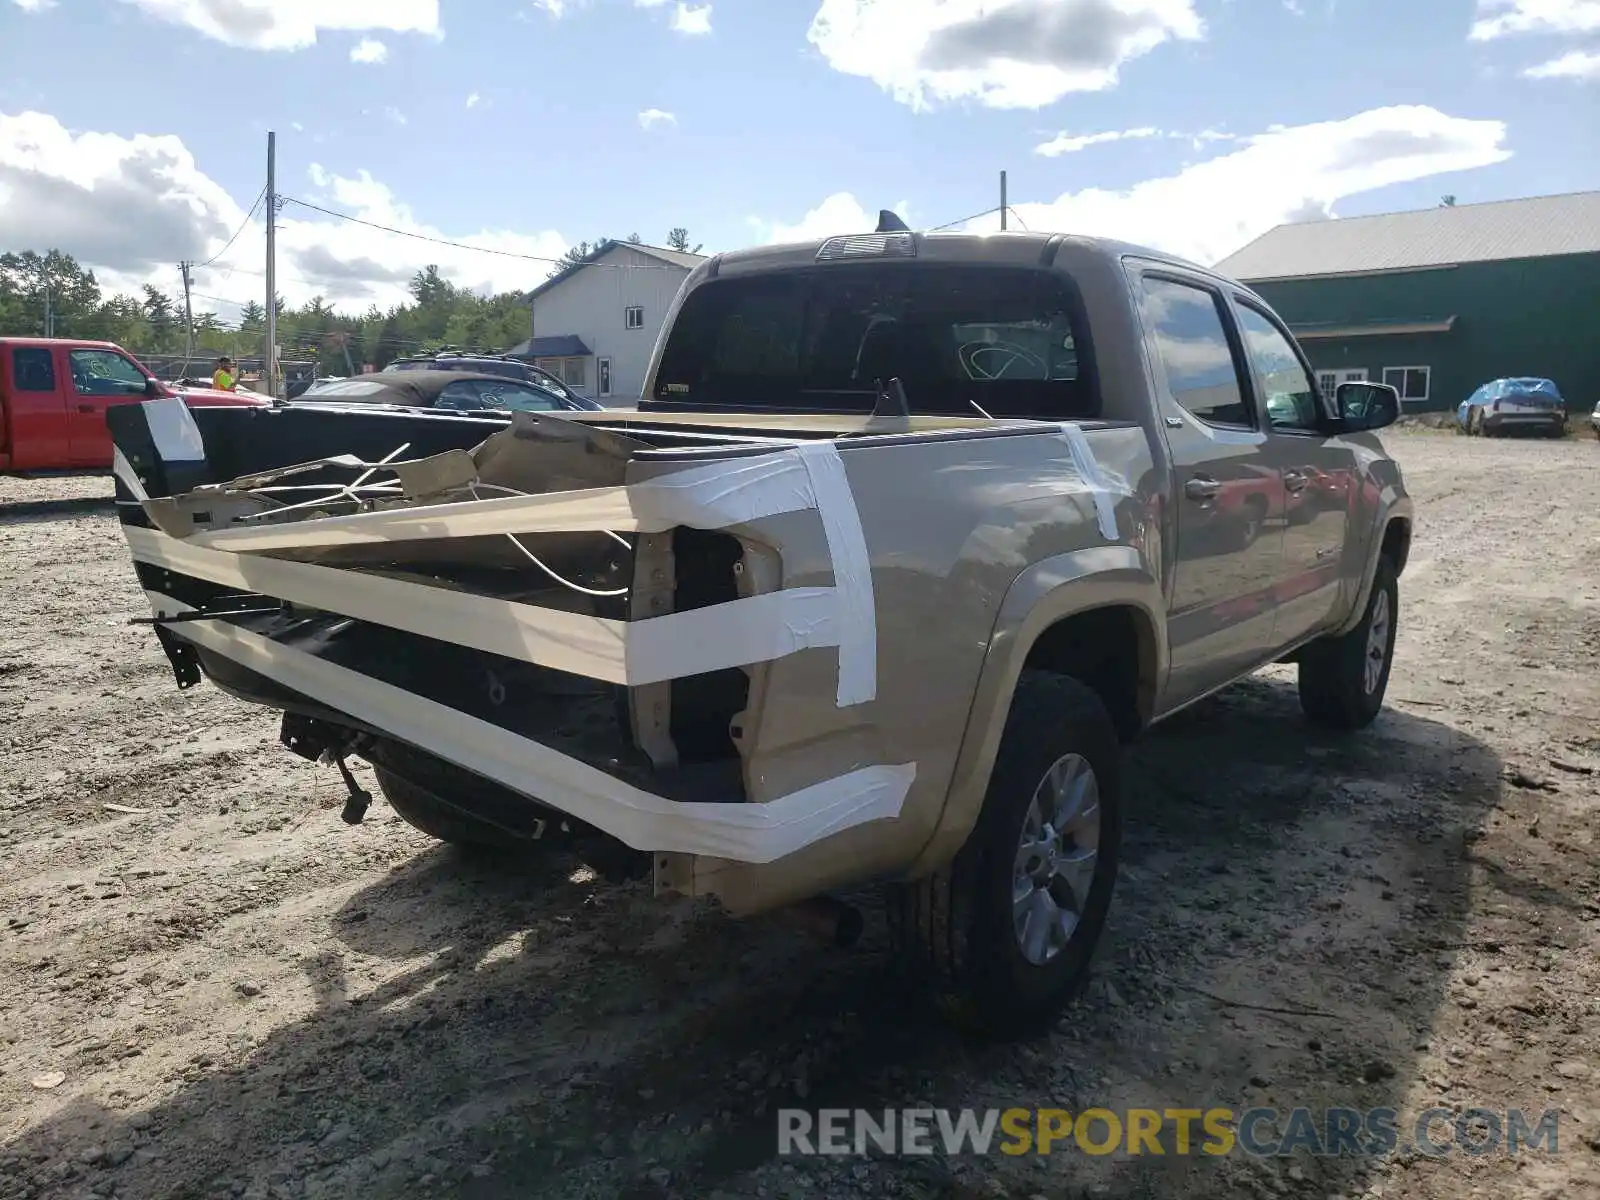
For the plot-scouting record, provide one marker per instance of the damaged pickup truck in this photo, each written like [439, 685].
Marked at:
[909, 536]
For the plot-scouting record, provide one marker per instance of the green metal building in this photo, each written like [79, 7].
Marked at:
[1439, 301]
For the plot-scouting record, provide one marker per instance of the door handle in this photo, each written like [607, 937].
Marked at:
[87, 408]
[1200, 488]
[1294, 481]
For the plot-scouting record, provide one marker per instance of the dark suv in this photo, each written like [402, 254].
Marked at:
[493, 364]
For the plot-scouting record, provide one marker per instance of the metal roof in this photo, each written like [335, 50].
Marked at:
[674, 258]
[1536, 227]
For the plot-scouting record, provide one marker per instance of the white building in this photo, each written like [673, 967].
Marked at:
[595, 323]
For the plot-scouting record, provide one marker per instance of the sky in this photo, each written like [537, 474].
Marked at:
[133, 132]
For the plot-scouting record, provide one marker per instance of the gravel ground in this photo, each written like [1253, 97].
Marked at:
[209, 986]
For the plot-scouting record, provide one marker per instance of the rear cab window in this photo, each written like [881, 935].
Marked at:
[33, 369]
[1010, 341]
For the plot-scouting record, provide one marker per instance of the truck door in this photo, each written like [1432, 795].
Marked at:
[100, 378]
[35, 432]
[1319, 475]
[1227, 498]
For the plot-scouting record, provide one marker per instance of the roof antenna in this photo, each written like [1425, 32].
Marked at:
[889, 222]
[892, 402]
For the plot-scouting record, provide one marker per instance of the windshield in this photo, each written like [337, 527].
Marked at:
[1011, 341]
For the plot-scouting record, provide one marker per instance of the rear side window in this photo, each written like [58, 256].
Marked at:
[33, 369]
[481, 366]
[1202, 376]
[1010, 341]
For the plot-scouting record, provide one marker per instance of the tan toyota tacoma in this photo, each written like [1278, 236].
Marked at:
[910, 536]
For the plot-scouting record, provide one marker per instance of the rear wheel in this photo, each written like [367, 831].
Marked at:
[1006, 933]
[1343, 679]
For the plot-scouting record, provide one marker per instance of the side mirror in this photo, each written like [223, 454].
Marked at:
[1365, 405]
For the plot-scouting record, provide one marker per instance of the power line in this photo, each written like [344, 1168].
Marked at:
[242, 225]
[437, 241]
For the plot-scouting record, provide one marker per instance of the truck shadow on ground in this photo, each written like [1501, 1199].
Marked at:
[550, 1035]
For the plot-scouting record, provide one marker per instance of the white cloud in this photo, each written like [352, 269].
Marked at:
[1066, 143]
[369, 50]
[1579, 64]
[554, 7]
[839, 213]
[473, 99]
[651, 117]
[1001, 53]
[1498, 18]
[1206, 211]
[132, 208]
[687, 18]
[33, 6]
[292, 24]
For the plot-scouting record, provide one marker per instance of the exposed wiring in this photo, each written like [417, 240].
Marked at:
[537, 561]
[510, 491]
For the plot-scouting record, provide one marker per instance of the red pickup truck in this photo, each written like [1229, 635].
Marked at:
[54, 393]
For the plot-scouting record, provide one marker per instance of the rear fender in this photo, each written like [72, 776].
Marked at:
[1046, 593]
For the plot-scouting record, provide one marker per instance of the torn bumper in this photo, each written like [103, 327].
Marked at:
[254, 558]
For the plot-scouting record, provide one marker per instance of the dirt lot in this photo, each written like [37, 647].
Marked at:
[209, 986]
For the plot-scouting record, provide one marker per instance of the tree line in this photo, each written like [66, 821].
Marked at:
[438, 313]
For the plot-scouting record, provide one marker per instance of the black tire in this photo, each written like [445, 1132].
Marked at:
[1334, 683]
[956, 928]
[420, 808]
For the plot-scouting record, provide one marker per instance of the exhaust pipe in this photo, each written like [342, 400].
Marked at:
[829, 920]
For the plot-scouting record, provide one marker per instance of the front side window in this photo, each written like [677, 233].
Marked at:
[1190, 337]
[521, 397]
[462, 395]
[33, 369]
[1006, 340]
[105, 373]
[1291, 396]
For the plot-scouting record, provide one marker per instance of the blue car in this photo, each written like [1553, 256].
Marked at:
[1507, 405]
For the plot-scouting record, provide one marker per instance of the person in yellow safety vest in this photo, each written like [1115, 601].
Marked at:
[222, 378]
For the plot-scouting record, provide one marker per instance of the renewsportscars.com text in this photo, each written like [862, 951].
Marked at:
[1261, 1132]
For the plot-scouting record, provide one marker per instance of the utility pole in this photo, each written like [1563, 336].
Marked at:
[1002, 199]
[49, 317]
[271, 373]
[188, 321]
